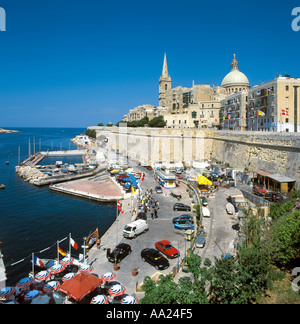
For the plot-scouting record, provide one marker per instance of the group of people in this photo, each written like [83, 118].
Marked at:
[149, 204]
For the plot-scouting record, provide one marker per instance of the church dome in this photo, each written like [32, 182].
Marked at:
[235, 78]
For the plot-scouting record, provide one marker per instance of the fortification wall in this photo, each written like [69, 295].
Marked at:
[272, 152]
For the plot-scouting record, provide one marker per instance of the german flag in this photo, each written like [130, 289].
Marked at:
[62, 252]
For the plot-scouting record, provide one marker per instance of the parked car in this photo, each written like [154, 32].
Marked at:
[183, 219]
[180, 206]
[118, 253]
[200, 240]
[167, 248]
[135, 228]
[154, 258]
[273, 196]
[141, 215]
[158, 189]
[259, 191]
[204, 201]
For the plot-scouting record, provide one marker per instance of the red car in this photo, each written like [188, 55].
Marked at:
[167, 248]
[259, 191]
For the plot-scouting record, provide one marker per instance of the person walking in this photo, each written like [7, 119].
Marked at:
[155, 213]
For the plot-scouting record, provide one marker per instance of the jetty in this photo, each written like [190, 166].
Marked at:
[99, 187]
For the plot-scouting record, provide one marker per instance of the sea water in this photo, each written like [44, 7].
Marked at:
[34, 218]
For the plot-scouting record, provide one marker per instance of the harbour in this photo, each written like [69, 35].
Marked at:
[32, 217]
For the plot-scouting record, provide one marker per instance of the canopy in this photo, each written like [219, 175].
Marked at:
[81, 285]
[203, 181]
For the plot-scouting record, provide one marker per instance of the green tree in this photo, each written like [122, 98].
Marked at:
[157, 122]
[285, 237]
[91, 133]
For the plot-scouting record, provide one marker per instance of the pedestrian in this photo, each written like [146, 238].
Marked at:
[157, 204]
[152, 213]
[155, 213]
[98, 243]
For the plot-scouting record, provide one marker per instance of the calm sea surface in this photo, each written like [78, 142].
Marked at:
[32, 218]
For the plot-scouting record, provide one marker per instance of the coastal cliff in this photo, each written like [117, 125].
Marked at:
[6, 131]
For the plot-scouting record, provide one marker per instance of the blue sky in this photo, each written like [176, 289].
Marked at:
[77, 63]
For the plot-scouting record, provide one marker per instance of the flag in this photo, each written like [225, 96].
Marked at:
[73, 243]
[143, 176]
[38, 262]
[261, 113]
[132, 189]
[119, 206]
[285, 112]
[62, 252]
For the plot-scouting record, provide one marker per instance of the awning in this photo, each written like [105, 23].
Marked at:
[262, 173]
[81, 285]
[281, 178]
[203, 181]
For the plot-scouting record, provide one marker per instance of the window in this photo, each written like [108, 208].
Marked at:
[194, 114]
[166, 87]
[286, 88]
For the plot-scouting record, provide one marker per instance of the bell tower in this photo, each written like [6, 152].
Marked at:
[164, 84]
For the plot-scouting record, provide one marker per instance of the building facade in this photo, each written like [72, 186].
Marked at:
[272, 106]
[275, 106]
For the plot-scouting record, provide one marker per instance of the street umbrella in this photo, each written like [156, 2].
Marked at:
[116, 290]
[51, 286]
[100, 299]
[57, 268]
[80, 285]
[108, 276]
[129, 300]
[32, 294]
[86, 268]
[66, 261]
[42, 275]
[25, 282]
[7, 292]
[68, 276]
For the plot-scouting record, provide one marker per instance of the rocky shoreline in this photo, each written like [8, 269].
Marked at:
[7, 131]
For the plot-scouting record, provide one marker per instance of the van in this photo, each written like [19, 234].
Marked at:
[135, 228]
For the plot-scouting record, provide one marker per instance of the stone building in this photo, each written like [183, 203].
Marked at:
[275, 106]
[272, 106]
[233, 112]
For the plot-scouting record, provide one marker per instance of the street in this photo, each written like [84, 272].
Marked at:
[218, 229]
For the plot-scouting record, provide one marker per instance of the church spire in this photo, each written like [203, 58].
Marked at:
[165, 84]
[165, 72]
[234, 64]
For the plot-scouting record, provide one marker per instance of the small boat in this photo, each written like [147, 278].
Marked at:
[230, 209]
[2, 186]
[205, 212]
[7, 162]
[185, 226]
[92, 239]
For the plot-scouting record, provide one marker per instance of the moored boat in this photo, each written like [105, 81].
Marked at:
[2, 186]
[92, 239]
[185, 226]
